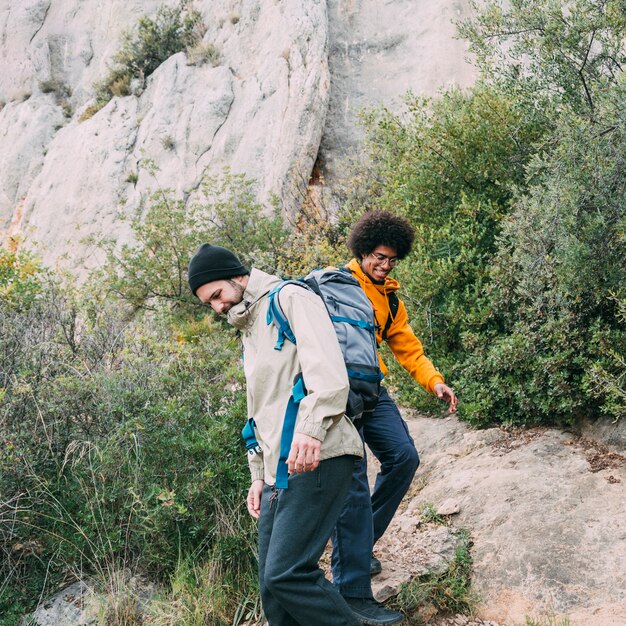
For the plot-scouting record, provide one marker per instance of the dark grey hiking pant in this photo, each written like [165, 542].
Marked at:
[294, 526]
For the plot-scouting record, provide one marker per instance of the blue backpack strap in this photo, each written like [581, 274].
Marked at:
[348, 320]
[249, 438]
[275, 314]
[297, 393]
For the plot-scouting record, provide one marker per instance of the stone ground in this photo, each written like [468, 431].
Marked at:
[546, 511]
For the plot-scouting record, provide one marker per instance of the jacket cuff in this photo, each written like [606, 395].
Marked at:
[257, 473]
[313, 430]
[435, 380]
[257, 467]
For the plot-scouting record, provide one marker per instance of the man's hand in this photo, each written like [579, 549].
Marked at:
[254, 498]
[304, 455]
[443, 392]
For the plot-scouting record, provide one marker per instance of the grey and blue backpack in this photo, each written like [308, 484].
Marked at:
[353, 319]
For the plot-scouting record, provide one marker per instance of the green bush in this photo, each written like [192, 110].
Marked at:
[551, 52]
[154, 40]
[153, 270]
[21, 278]
[121, 444]
[556, 282]
[121, 431]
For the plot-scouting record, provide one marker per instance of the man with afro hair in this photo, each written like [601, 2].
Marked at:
[378, 240]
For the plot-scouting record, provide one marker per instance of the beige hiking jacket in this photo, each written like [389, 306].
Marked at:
[270, 373]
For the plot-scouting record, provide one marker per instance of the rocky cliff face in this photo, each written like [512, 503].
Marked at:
[287, 75]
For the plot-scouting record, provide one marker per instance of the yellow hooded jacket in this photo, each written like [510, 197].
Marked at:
[406, 347]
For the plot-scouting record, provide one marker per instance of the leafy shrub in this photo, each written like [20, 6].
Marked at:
[554, 315]
[21, 278]
[606, 378]
[121, 443]
[552, 52]
[153, 41]
[153, 269]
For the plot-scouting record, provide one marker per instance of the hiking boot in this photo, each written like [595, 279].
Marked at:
[373, 613]
[375, 566]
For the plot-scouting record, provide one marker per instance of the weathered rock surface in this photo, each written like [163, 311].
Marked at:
[546, 511]
[76, 605]
[381, 50]
[262, 111]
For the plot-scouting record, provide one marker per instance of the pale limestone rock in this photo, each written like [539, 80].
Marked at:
[449, 507]
[381, 50]
[26, 128]
[83, 178]
[428, 551]
[261, 112]
[76, 605]
[71, 42]
[548, 531]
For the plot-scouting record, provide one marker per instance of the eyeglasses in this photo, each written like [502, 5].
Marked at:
[381, 258]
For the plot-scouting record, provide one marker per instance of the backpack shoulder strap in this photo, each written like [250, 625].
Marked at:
[394, 304]
[298, 392]
[276, 315]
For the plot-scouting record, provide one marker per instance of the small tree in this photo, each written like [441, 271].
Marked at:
[550, 51]
[153, 269]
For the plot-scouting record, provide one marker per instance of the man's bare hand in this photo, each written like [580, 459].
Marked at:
[304, 455]
[254, 498]
[443, 392]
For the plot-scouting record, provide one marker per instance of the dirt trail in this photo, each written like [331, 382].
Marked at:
[546, 510]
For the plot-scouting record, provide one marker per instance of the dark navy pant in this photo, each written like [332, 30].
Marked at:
[365, 518]
[294, 526]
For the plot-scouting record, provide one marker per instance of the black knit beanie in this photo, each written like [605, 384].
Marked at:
[213, 263]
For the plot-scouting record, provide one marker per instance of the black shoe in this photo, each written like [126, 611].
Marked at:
[373, 613]
[375, 566]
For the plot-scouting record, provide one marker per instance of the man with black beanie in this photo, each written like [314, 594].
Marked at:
[296, 520]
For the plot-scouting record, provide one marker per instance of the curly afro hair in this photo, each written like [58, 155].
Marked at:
[380, 228]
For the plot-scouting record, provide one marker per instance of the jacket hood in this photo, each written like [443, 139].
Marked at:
[259, 285]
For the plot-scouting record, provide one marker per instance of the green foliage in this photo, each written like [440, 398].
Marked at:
[549, 50]
[201, 591]
[21, 279]
[154, 40]
[606, 378]
[553, 314]
[121, 444]
[121, 436]
[447, 592]
[153, 269]
[428, 513]
[517, 195]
